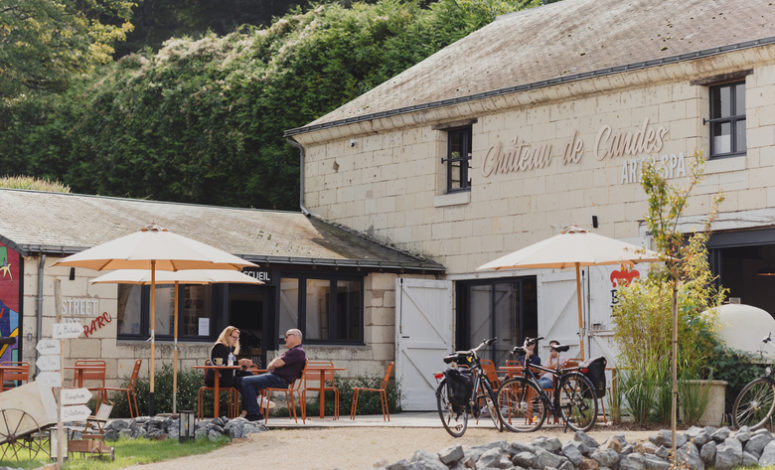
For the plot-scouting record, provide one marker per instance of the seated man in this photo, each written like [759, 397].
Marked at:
[283, 371]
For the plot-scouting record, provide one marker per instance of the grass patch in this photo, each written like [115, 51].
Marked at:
[128, 452]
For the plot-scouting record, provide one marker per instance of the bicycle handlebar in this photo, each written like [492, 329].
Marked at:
[459, 354]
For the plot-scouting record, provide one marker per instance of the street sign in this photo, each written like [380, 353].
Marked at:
[48, 363]
[67, 330]
[75, 396]
[75, 413]
[48, 347]
[49, 379]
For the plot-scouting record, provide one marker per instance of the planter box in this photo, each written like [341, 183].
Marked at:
[714, 412]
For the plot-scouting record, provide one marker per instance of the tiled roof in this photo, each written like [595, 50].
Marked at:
[565, 39]
[56, 223]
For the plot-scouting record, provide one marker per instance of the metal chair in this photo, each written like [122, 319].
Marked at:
[129, 389]
[94, 370]
[294, 388]
[232, 398]
[316, 383]
[15, 371]
[382, 390]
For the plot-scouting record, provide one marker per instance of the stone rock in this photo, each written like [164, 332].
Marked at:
[613, 444]
[550, 444]
[720, 435]
[572, 453]
[524, 459]
[698, 435]
[451, 455]
[428, 461]
[690, 456]
[111, 434]
[567, 465]
[214, 435]
[743, 436]
[589, 464]
[547, 459]
[606, 457]
[665, 438]
[516, 447]
[768, 454]
[756, 443]
[646, 447]
[729, 454]
[627, 450]
[662, 452]
[588, 440]
[126, 433]
[652, 462]
[761, 431]
[491, 458]
[708, 453]
[632, 462]
[749, 460]
[200, 433]
[117, 424]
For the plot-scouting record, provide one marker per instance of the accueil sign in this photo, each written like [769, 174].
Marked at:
[633, 148]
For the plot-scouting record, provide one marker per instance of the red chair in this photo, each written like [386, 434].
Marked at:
[129, 390]
[382, 390]
[15, 371]
[94, 370]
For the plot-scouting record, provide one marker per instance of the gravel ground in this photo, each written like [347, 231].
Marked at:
[351, 448]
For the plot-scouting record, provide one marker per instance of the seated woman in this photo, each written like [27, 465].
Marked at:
[224, 353]
[547, 379]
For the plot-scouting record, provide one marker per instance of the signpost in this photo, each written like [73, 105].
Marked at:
[75, 413]
[48, 347]
[67, 330]
[49, 379]
[48, 363]
[75, 396]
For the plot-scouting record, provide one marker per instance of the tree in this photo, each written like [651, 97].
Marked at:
[44, 42]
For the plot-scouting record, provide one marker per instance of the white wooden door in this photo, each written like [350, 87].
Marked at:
[558, 313]
[423, 337]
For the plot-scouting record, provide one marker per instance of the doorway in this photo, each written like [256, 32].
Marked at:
[248, 310]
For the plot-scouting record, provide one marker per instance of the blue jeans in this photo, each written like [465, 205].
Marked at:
[252, 385]
[544, 382]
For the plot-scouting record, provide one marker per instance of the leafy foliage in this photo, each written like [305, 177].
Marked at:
[645, 308]
[26, 182]
[43, 42]
[202, 120]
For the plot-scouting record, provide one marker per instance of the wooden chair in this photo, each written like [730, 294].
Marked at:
[94, 371]
[382, 390]
[313, 383]
[92, 434]
[16, 371]
[294, 388]
[488, 366]
[232, 397]
[129, 389]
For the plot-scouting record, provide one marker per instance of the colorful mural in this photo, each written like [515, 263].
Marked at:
[9, 302]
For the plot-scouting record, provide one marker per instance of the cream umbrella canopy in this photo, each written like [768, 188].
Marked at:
[186, 276]
[573, 247]
[154, 248]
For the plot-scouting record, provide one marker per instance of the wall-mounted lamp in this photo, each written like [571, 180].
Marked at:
[352, 142]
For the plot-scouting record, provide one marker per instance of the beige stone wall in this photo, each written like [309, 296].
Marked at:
[390, 184]
[120, 356]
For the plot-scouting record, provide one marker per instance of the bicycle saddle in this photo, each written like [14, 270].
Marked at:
[561, 347]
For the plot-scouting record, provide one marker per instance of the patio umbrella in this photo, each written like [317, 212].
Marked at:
[186, 276]
[574, 247]
[154, 248]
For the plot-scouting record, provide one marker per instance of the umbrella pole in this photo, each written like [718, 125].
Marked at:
[578, 301]
[175, 356]
[151, 397]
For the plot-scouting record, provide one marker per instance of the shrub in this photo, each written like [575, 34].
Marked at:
[368, 402]
[736, 367]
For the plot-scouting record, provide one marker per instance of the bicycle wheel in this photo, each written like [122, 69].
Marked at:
[754, 405]
[486, 401]
[578, 402]
[520, 406]
[454, 422]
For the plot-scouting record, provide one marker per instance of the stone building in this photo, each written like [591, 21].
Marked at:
[540, 120]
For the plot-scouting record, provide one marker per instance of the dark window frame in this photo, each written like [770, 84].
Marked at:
[734, 120]
[332, 305]
[145, 315]
[465, 134]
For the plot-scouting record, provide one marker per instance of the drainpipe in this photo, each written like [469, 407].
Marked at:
[39, 325]
[304, 210]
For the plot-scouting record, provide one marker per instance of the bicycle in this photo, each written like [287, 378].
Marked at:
[453, 414]
[755, 403]
[523, 403]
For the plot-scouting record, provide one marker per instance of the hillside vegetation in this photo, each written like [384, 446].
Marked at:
[202, 121]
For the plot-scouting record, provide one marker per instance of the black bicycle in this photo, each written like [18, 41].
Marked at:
[755, 403]
[523, 404]
[465, 390]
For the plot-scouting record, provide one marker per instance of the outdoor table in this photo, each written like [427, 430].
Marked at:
[321, 370]
[79, 371]
[11, 370]
[216, 384]
[511, 371]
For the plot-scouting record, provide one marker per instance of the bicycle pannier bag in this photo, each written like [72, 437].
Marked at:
[460, 384]
[594, 369]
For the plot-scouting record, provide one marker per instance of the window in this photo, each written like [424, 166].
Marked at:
[326, 309]
[727, 120]
[458, 159]
[194, 311]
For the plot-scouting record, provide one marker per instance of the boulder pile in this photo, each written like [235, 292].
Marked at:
[160, 427]
[697, 448]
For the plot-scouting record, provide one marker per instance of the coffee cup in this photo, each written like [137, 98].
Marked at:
[218, 361]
